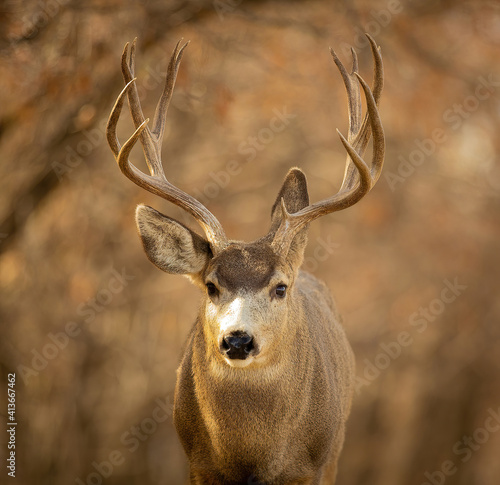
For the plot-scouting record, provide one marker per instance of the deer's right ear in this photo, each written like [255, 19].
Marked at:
[170, 245]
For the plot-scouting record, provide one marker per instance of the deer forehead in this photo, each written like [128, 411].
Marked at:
[248, 267]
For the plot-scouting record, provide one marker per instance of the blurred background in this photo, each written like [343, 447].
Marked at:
[94, 332]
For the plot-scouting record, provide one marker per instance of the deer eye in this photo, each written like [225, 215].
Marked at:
[212, 289]
[280, 291]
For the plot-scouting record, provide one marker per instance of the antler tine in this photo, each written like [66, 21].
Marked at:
[151, 140]
[359, 178]
[353, 93]
[361, 138]
[353, 107]
[166, 96]
[376, 128]
[152, 150]
[111, 136]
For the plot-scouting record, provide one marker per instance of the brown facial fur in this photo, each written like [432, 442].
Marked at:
[244, 266]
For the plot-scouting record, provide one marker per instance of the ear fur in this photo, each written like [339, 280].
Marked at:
[170, 245]
[295, 195]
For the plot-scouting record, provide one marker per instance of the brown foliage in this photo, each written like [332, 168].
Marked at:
[112, 341]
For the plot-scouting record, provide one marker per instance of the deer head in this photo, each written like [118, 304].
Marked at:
[249, 308]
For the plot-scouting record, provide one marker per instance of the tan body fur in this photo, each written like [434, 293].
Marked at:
[289, 418]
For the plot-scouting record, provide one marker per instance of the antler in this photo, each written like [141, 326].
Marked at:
[151, 141]
[359, 178]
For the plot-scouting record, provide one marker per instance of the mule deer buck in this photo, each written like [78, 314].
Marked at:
[265, 384]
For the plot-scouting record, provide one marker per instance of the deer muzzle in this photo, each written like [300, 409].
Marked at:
[237, 345]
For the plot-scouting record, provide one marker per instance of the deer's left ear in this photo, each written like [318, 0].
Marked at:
[295, 195]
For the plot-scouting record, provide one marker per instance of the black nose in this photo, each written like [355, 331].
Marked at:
[237, 345]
